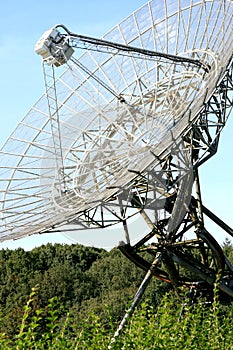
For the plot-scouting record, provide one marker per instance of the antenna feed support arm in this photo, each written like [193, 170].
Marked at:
[57, 48]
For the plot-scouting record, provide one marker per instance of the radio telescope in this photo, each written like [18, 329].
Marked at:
[119, 136]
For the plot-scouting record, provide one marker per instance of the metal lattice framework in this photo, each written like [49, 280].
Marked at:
[122, 132]
[52, 167]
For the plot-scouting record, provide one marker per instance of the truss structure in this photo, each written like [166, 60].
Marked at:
[121, 134]
[113, 117]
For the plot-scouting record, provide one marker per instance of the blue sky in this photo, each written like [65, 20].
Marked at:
[22, 23]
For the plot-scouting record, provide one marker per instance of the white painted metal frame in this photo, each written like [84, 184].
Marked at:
[52, 170]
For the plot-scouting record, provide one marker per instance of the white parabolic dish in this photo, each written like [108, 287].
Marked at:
[100, 138]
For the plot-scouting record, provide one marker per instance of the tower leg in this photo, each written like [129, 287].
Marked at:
[137, 298]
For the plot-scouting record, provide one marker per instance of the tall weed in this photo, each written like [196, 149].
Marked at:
[198, 327]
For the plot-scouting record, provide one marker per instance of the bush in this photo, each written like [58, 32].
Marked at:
[199, 326]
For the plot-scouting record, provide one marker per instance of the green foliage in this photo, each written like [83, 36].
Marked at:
[83, 278]
[75, 296]
[228, 249]
[199, 327]
[58, 270]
